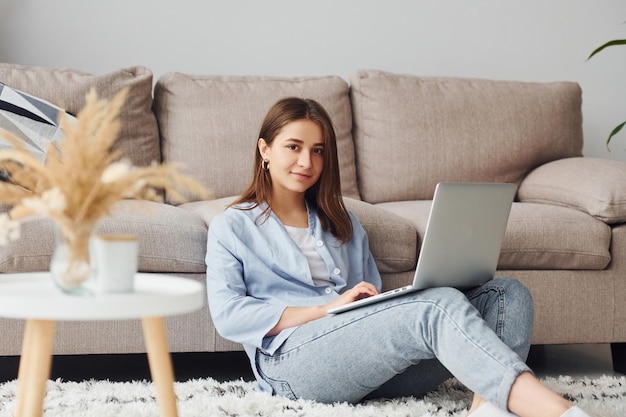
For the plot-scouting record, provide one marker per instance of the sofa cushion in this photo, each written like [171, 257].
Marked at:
[208, 209]
[171, 240]
[32, 251]
[538, 236]
[412, 132]
[139, 137]
[211, 123]
[541, 236]
[392, 239]
[594, 186]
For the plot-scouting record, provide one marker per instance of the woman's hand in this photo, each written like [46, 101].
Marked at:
[295, 316]
[361, 290]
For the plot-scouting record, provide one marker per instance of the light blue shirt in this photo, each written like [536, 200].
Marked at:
[255, 271]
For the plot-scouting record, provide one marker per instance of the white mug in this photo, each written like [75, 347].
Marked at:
[115, 258]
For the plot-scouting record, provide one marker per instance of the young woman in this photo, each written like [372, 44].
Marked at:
[288, 250]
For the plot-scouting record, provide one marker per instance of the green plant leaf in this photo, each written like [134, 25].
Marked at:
[606, 45]
[615, 132]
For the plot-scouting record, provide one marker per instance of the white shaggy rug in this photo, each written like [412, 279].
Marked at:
[602, 397]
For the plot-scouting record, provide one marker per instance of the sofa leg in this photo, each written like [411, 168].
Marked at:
[618, 352]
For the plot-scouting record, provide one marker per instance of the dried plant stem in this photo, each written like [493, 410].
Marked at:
[87, 203]
[82, 180]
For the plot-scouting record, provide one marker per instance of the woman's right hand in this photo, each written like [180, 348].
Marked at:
[361, 290]
[295, 316]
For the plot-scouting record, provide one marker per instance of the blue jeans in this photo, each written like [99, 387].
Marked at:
[409, 345]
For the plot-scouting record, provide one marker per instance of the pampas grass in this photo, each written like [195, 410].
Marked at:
[81, 181]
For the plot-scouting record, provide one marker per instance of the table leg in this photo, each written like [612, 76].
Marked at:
[160, 364]
[34, 369]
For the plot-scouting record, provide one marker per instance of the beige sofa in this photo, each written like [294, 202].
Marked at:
[398, 135]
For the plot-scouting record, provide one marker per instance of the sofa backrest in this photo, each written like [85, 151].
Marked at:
[139, 136]
[211, 124]
[412, 132]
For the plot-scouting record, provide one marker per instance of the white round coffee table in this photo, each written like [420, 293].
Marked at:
[34, 298]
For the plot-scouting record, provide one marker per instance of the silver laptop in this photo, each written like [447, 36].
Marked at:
[462, 241]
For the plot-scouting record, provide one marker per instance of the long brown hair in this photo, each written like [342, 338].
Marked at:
[325, 194]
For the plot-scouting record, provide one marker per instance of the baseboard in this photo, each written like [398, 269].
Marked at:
[618, 354]
[221, 366]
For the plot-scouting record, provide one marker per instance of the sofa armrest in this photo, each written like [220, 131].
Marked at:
[594, 186]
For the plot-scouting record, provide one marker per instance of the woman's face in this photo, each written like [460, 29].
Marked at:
[296, 157]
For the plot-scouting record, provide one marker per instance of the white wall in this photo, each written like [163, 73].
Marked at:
[527, 40]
